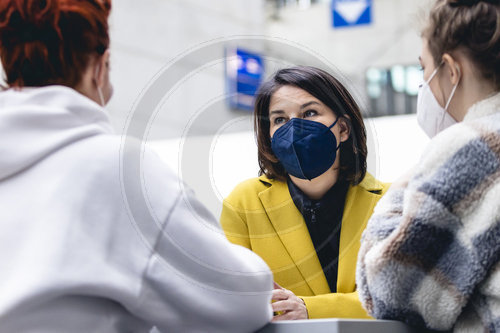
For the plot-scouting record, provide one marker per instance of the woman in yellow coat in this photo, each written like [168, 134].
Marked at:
[306, 212]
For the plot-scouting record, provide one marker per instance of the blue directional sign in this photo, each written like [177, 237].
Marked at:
[348, 13]
[244, 73]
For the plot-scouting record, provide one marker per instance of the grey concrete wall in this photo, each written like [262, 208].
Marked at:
[392, 38]
[147, 35]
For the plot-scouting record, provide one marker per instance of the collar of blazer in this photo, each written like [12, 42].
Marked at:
[292, 230]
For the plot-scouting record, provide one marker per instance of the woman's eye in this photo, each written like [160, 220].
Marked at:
[310, 113]
[279, 120]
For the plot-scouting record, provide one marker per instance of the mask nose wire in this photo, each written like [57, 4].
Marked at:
[330, 127]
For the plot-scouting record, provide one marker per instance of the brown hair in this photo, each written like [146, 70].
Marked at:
[473, 26]
[44, 42]
[333, 94]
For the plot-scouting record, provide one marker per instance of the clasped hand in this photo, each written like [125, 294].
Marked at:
[288, 304]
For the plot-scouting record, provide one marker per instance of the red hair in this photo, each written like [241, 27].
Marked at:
[45, 42]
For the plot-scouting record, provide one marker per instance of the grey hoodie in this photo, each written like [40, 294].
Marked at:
[97, 235]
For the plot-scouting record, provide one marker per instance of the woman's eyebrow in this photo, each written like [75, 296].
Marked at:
[277, 112]
[308, 104]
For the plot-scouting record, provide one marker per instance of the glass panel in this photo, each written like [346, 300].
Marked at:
[398, 78]
[414, 78]
[394, 90]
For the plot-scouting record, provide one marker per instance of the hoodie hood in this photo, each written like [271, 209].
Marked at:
[35, 122]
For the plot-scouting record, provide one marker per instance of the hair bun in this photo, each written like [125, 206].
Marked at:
[46, 42]
[457, 3]
[37, 21]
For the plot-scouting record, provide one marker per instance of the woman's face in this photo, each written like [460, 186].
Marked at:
[291, 102]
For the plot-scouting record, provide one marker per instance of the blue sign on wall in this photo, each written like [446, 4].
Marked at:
[244, 73]
[348, 13]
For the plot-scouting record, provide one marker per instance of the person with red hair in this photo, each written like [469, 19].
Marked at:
[76, 253]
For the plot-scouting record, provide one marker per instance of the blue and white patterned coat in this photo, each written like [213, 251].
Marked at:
[430, 255]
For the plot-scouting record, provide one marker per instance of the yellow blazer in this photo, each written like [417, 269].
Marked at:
[260, 215]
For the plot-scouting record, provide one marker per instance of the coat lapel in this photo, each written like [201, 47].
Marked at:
[293, 233]
[360, 202]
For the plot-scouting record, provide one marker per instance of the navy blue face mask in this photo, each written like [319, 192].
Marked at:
[305, 148]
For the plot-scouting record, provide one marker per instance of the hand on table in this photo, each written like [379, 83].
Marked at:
[290, 306]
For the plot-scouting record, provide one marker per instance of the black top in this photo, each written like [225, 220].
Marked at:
[324, 220]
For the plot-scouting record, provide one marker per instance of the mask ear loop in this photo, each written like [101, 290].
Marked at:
[329, 128]
[434, 74]
[453, 90]
[334, 123]
[450, 98]
[99, 90]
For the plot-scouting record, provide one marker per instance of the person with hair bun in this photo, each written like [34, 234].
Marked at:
[76, 255]
[430, 255]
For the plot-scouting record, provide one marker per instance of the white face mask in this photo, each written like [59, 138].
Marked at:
[431, 116]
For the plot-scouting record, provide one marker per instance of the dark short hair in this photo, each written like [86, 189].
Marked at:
[330, 92]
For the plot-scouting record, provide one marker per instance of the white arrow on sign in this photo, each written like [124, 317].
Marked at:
[351, 10]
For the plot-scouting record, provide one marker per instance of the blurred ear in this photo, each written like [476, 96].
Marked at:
[452, 68]
[101, 69]
[345, 128]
